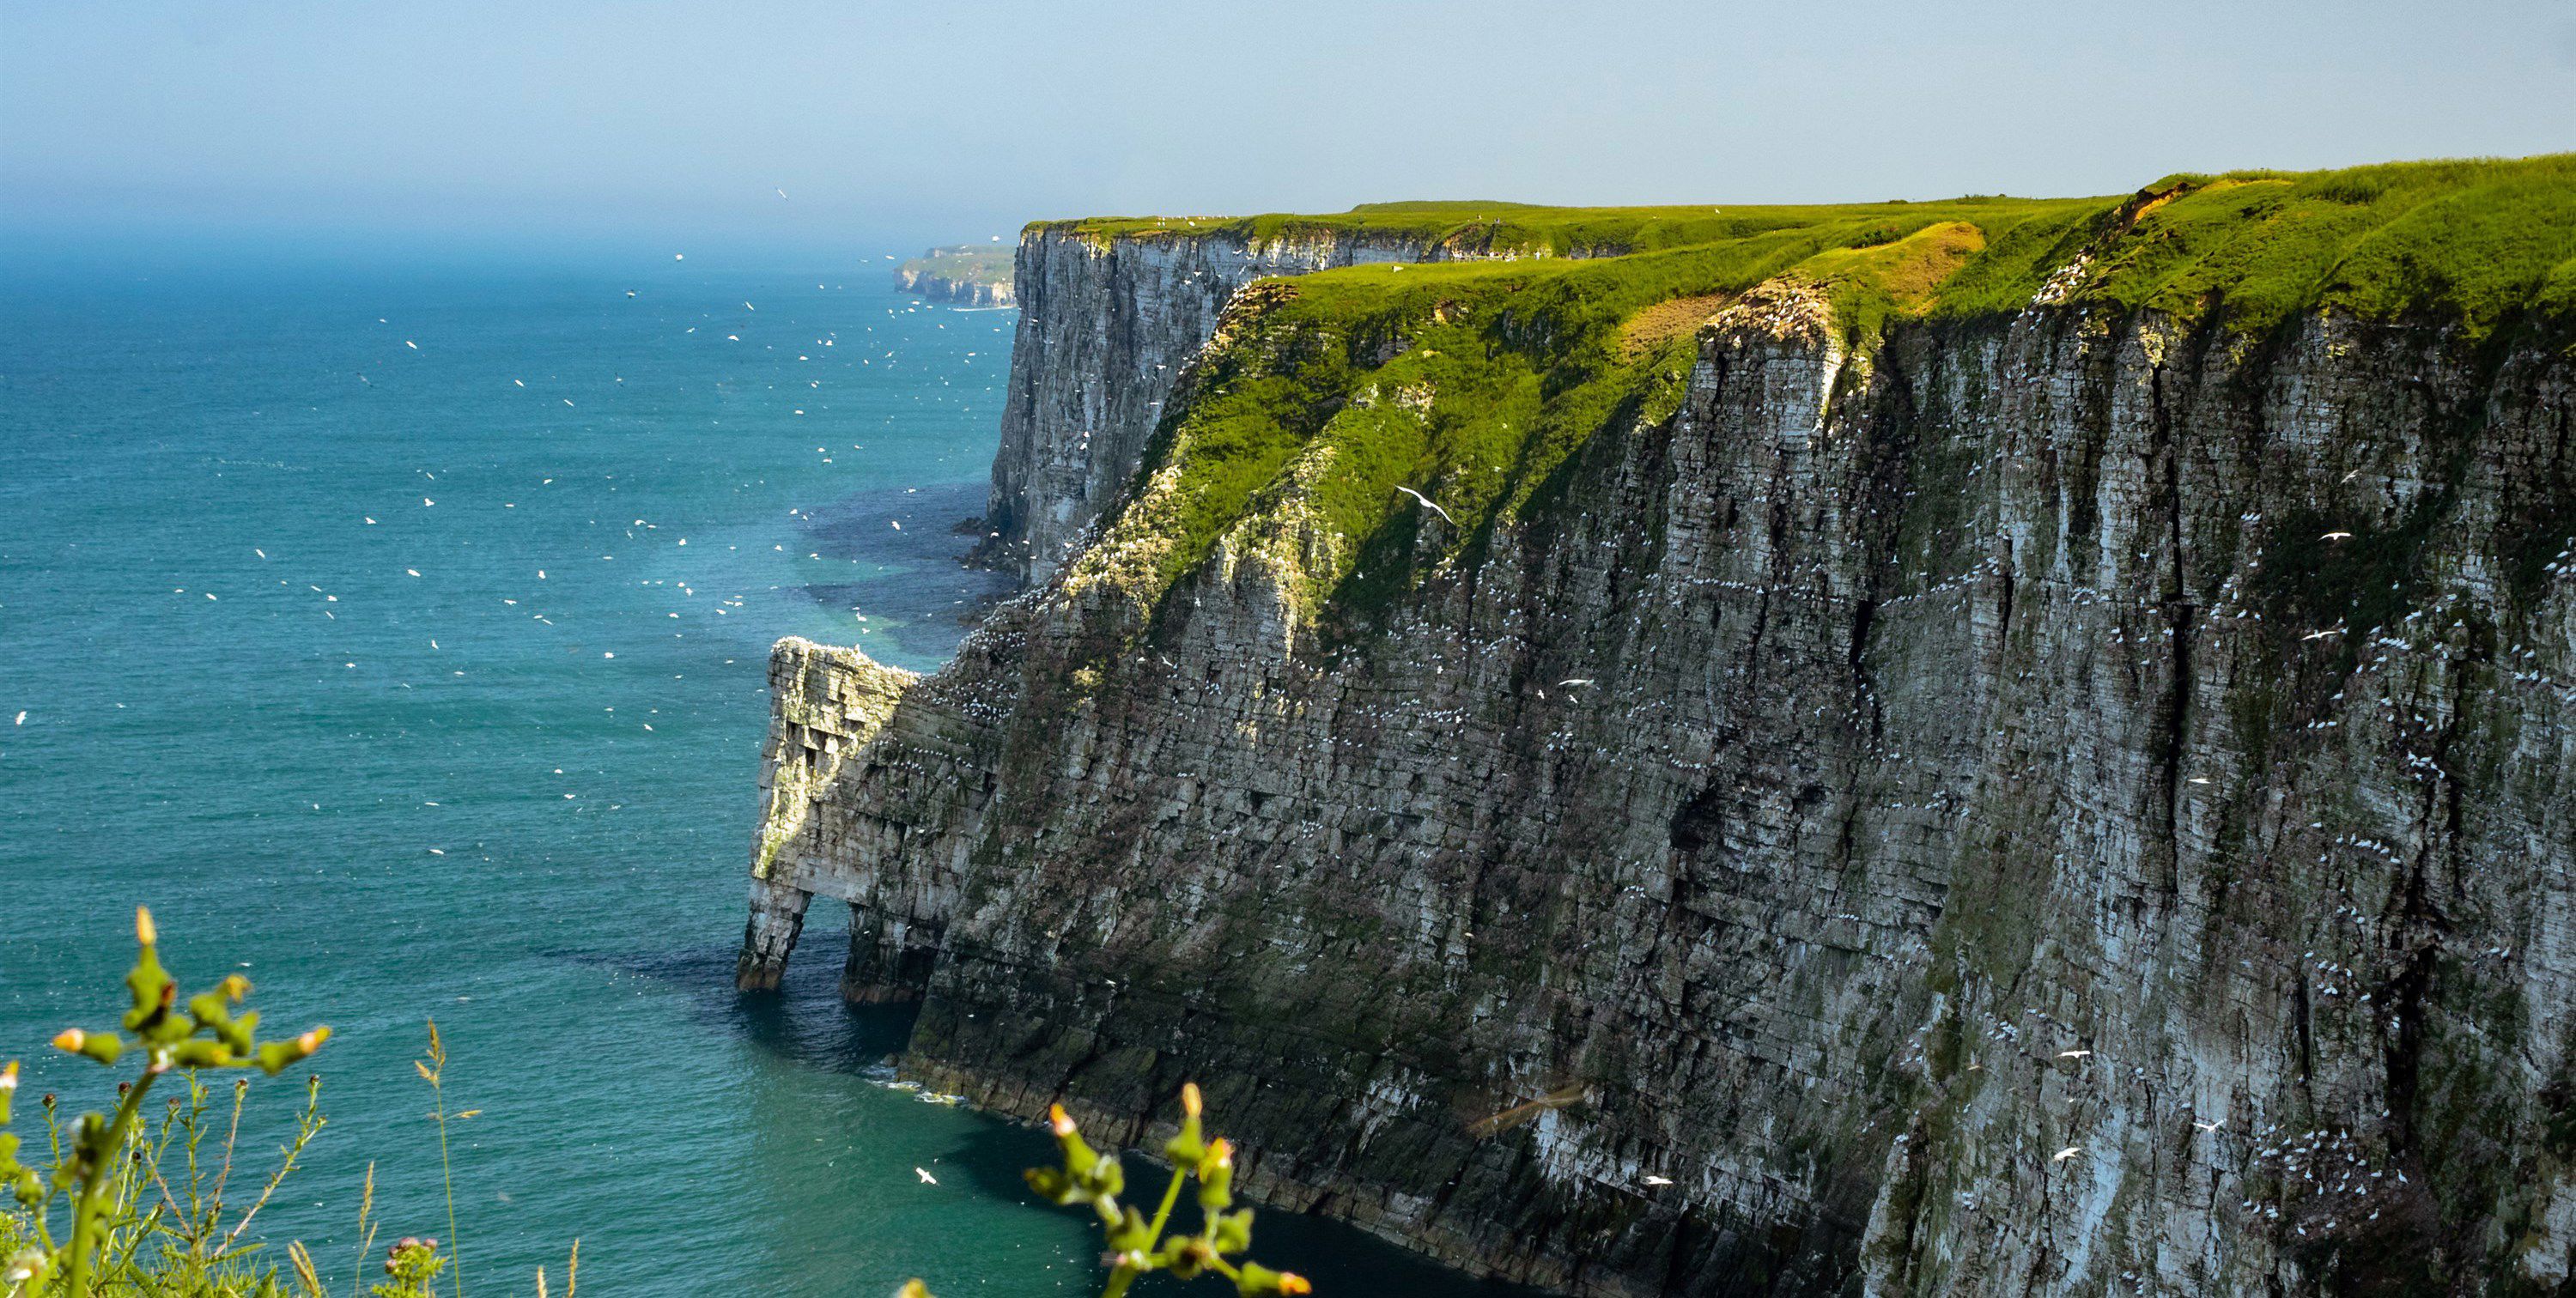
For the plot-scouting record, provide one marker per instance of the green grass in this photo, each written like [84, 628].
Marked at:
[1509, 228]
[1475, 381]
[2469, 241]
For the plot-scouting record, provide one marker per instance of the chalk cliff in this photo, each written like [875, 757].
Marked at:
[1974, 749]
[967, 292]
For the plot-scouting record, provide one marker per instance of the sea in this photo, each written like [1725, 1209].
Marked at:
[395, 628]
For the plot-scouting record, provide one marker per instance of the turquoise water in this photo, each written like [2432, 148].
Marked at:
[399, 637]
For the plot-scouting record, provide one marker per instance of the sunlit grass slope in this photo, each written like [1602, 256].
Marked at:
[1473, 380]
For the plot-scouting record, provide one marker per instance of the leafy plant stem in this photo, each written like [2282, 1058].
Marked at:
[447, 1168]
[1171, 1195]
[87, 1213]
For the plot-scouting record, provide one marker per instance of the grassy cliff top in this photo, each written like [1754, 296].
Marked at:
[1473, 381]
[965, 263]
[2474, 238]
[1515, 228]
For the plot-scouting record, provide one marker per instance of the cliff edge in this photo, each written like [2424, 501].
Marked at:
[1982, 747]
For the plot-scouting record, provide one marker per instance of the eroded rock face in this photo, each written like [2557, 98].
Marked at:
[1106, 328]
[1889, 801]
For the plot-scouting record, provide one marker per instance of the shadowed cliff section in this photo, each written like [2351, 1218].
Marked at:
[2027, 749]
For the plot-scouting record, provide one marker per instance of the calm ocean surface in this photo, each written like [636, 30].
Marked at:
[399, 637]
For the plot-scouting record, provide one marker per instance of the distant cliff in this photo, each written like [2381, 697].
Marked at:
[1982, 747]
[966, 273]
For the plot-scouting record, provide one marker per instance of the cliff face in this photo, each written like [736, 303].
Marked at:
[931, 284]
[2069, 799]
[1111, 320]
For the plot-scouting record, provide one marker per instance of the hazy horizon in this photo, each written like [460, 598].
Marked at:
[631, 127]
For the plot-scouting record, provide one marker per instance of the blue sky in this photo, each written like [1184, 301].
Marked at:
[537, 119]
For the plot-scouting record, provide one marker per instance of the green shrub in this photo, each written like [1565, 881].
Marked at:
[121, 1223]
[125, 1203]
[1134, 1244]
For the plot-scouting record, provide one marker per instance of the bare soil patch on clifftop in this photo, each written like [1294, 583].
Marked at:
[1665, 321]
